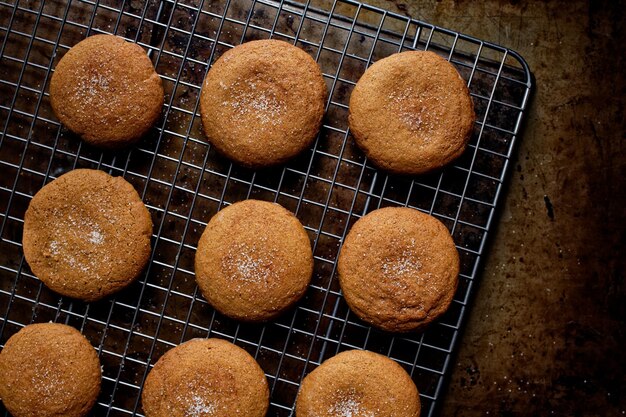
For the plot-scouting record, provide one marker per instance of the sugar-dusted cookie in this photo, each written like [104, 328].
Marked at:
[358, 383]
[253, 261]
[87, 234]
[106, 90]
[398, 269]
[262, 102]
[411, 113]
[49, 370]
[206, 377]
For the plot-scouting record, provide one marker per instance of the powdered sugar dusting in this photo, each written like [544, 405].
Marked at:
[101, 89]
[96, 237]
[77, 241]
[248, 263]
[199, 396]
[419, 111]
[406, 264]
[251, 268]
[46, 380]
[406, 270]
[200, 407]
[85, 229]
[54, 248]
[349, 407]
[249, 99]
[91, 87]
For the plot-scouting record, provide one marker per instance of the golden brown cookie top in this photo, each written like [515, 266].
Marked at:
[106, 90]
[206, 378]
[358, 383]
[398, 269]
[254, 260]
[87, 234]
[262, 102]
[411, 113]
[51, 370]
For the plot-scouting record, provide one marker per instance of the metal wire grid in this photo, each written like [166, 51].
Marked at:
[184, 182]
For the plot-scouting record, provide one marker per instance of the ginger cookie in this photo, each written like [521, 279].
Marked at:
[206, 377]
[49, 370]
[411, 113]
[254, 260]
[398, 269]
[262, 102]
[358, 383]
[87, 234]
[106, 90]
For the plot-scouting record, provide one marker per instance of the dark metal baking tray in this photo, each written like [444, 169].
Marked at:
[184, 182]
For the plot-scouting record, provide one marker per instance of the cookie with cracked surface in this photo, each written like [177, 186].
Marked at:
[262, 102]
[106, 90]
[411, 113]
[87, 234]
[358, 383]
[398, 269]
[49, 370]
[254, 260]
[206, 377]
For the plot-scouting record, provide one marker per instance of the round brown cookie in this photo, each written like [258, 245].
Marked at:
[106, 90]
[254, 260]
[262, 102]
[51, 370]
[411, 113]
[206, 378]
[398, 269]
[87, 234]
[358, 383]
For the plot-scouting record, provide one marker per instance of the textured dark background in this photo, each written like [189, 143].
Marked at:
[546, 332]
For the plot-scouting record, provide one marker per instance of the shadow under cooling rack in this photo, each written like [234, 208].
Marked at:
[184, 182]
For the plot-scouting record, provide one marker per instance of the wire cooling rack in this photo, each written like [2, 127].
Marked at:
[184, 182]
